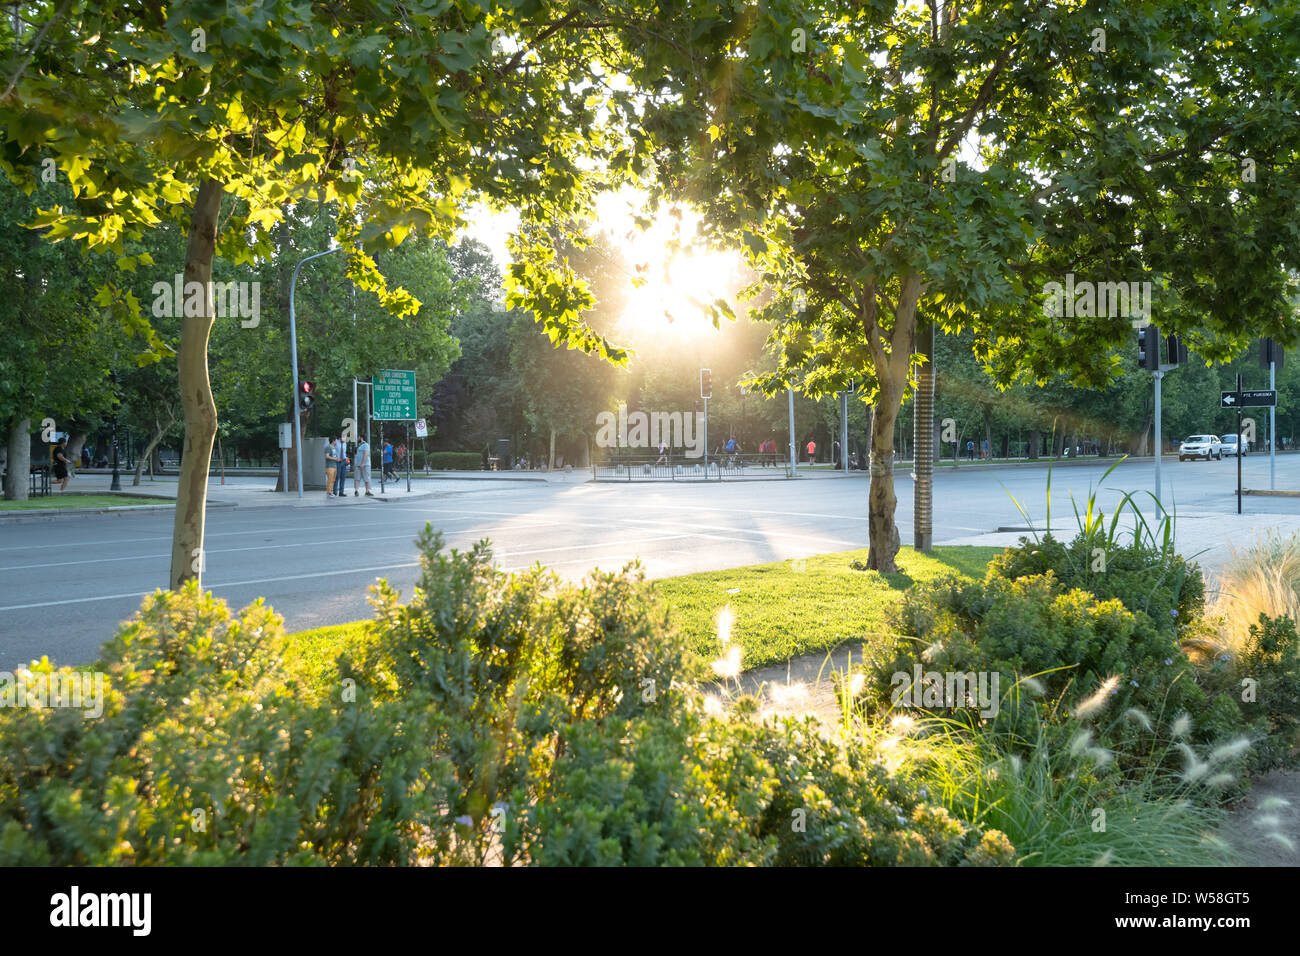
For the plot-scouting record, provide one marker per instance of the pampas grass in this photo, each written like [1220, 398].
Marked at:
[1261, 579]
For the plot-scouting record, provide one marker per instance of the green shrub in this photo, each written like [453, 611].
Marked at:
[1258, 678]
[453, 460]
[1031, 627]
[203, 755]
[513, 719]
[706, 791]
[1144, 578]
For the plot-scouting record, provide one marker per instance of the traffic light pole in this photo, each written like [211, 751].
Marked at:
[1158, 376]
[844, 432]
[706, 437]
[293, 345]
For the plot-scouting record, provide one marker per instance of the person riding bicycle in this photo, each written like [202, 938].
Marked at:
[733, 449]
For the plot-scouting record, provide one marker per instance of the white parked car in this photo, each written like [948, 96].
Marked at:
[1200, 446]
[1230, 447]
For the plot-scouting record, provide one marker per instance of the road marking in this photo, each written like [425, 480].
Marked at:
[213, 587]
[261, 547]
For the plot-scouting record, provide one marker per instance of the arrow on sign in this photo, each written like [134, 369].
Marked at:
[1228, 399]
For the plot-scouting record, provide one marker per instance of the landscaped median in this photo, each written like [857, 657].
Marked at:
[782, 610]
[75, 500]
[1072, 704]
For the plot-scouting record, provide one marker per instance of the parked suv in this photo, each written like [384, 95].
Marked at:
[1200, 446]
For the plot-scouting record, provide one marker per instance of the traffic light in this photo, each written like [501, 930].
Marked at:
[706, 383]
[1269, 352]
[1175, 350]
[306, 395]
[1149, 348]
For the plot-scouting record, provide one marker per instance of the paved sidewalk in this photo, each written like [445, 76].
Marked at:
[236, 493]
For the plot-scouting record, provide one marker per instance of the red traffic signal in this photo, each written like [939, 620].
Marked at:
[706, 383]
[306, 394]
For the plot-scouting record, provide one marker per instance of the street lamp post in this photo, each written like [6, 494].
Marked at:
[293, 344]
[117, 476]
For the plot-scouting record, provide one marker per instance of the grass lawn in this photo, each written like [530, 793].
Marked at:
[73, 499]
[313, 652]
[780, 612]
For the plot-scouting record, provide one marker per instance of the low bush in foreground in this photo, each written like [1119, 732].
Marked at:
[494, 718]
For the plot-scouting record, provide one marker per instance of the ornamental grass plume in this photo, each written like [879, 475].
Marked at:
[728, 665]
[1097, 702]
[1233, 748]
[1134, 714]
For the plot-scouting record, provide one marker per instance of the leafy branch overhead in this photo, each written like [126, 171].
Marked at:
[399, 115]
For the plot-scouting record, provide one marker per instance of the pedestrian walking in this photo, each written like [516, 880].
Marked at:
[387, 463]
[970, 450]
[361, 469]
[61, 464]
[331, 465]
[663, 453]
[85, 457]
[812, 451]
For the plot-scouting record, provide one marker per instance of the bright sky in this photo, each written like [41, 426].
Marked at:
[676, 286]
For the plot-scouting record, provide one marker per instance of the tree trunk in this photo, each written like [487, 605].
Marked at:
[18, 444]
[159, 429]
[882, 502]
[1035, 445]
[221, 455]
[988, 429]
[891, 369]
[196, 394]
[550, 460]
[1144, 437]
[75, 444]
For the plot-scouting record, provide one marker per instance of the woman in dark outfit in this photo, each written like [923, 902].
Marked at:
[61, 464]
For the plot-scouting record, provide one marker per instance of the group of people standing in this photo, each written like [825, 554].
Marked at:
[337, 461]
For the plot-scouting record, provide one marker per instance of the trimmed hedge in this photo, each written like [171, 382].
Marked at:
[453, 460]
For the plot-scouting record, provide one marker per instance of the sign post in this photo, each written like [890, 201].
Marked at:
[1238, 444]
[422, 433]
[1246, 398]
[1272, 428]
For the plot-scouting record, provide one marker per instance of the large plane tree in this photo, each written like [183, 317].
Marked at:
[895, 166]
[219, 116]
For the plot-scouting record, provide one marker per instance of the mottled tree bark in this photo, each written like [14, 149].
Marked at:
[18, 445]
[196, 394]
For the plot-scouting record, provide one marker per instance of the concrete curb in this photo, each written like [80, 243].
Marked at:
[52, 514]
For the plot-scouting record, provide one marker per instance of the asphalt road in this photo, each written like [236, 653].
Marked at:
[66, 583]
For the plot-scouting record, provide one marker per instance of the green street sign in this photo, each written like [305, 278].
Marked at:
[395, 395]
